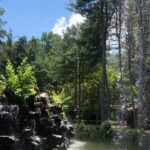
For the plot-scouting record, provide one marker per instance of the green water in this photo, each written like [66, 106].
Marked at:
[98, 145]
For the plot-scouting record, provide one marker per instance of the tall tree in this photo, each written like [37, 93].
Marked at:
[99, 15]
[131, 40]
[143, 22]
[2, 31]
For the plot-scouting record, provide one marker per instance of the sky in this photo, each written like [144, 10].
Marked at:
[32, 17]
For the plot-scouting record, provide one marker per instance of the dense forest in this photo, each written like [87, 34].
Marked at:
[98, 69]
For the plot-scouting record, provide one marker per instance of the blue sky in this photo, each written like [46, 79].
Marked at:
[32, 17]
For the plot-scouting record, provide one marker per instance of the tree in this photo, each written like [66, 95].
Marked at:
[131, 46]
[11, 80]
[21, 83]
[27, 81]
[71, 64]
[19, 50]
[102, 10]
[2, 31]
[2, 34]
[143, 22]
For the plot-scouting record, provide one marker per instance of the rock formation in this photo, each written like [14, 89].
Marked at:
[37, 127]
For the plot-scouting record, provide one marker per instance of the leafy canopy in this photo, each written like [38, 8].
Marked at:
[20, 82]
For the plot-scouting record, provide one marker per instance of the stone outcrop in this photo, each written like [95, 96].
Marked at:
[39, 128]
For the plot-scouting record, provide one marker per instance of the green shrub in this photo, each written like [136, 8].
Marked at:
[134, 133]
[20, 83]
[105, 130]
[2, 84]
[85, 131]
[12, 80]
[80, 127]
[27, 80]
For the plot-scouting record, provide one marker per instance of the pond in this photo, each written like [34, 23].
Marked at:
[77, 144]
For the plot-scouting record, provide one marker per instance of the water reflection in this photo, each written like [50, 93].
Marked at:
[77, 144]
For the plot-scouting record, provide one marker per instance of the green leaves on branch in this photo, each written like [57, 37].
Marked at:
[27, 81]
[12, 80]
[21, 82]
[2, 84]
[56, 98]
[62, 99]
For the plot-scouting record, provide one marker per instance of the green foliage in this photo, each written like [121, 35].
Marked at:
[2, 31]
[79, 127]
[12, 80]
[2, 84]
[62, 99]
[46, 62]
[27, 80]
[90, 108]
[134, 133]
[86, 131]
[19, 51]
[56, 98]
[113, 77]
[105, 130]
[21, 83]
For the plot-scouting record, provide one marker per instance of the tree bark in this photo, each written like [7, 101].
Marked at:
[75, 87]
[79, 92]
[105, 104]
[130, 47]
[142, 116]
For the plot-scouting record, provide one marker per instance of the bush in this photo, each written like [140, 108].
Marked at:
[2, 84]
[86, 131]
[134, 133]
[105, 130]
[80, 127]
[27, 80]
[20, 83]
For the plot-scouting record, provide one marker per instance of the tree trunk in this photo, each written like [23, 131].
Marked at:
[105, 104]
[79, 92]
[119, 33]
[75, 87]
[130, 49]
[119, 22]
[142, 116]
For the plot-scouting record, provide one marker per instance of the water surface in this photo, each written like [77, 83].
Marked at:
[77, 144]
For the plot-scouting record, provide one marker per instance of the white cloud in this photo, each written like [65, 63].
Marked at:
[62, 23]
[60, 26]
[75, 19]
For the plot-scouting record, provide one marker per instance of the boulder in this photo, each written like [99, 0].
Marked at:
[7, 142]
[43, 97]
[3, 99]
